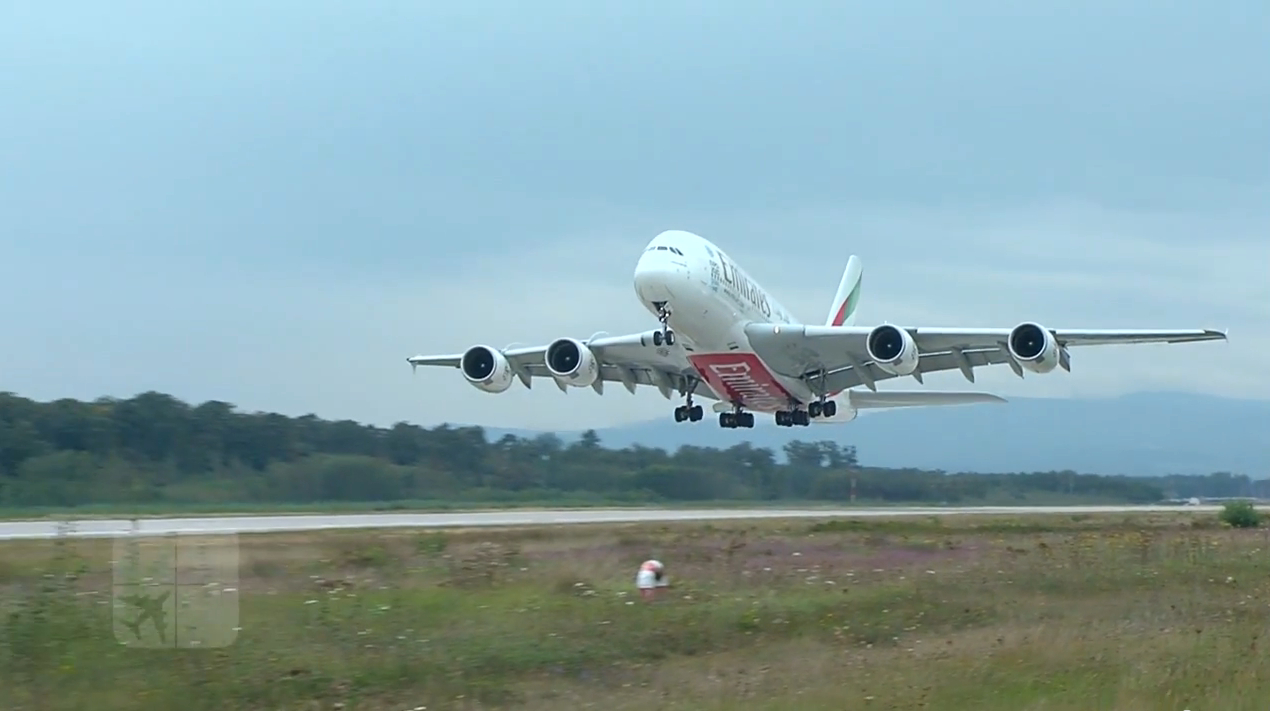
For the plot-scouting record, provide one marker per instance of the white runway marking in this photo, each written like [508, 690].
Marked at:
[91, 528]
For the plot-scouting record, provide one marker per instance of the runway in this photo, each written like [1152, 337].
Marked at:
[212, 525]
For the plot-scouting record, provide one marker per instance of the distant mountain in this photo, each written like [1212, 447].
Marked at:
[1141, 434]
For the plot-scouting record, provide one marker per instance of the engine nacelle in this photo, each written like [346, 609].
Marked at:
[1033, 346]
[893, 349]
[487, 369]
[572, 363]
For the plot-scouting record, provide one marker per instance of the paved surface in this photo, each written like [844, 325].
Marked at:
[84, 528]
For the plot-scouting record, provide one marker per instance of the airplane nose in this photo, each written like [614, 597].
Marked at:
[656, 277]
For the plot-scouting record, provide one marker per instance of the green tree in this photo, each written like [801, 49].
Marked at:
[155, 448]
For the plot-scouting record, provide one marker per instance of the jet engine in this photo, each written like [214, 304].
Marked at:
[1033, 346]
[893, 349]
[572, 363]
[487, 369]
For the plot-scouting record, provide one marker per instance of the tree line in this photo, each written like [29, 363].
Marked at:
[155, 448]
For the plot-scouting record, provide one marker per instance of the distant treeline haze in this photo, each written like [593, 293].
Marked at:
[154, 448]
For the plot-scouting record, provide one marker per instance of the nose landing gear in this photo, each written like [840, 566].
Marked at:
[665, 336]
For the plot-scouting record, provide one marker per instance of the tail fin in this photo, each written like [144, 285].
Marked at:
[842, 310]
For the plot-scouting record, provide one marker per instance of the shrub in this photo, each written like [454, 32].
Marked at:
[1240, 514]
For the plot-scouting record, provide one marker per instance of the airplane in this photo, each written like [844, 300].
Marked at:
[723, 337]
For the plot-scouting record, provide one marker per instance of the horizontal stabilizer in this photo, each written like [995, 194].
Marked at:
[863, 400]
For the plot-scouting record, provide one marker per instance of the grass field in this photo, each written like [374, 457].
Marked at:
[1126, 612]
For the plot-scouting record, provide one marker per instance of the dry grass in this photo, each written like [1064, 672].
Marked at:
[1058, 612]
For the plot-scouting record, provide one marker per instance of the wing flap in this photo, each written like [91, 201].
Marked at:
[634, 375]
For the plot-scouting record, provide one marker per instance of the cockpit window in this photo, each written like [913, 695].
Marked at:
[664, 248]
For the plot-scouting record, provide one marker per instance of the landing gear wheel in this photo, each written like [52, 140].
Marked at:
[689, 413]
[733, 420]
[828, 408]
[823, 406]
[791, 418]
[665, 336]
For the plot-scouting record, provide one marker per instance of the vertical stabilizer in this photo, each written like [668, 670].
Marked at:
[842, 310]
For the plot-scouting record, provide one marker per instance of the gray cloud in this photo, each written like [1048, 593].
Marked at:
[275, 204]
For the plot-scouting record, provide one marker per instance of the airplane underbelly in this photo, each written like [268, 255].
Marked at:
[741, 377]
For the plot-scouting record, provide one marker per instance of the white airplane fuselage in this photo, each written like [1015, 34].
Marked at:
[711, 299]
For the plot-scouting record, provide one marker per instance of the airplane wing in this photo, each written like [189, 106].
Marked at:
[630, 360]
[841, 355]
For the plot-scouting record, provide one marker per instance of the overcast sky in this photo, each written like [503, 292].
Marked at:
[275, 203]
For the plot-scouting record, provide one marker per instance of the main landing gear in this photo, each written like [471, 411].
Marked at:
[689, 412]
[828, 408]
[790, 418]
[665, 336]
[735, 419]
[802, 418]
